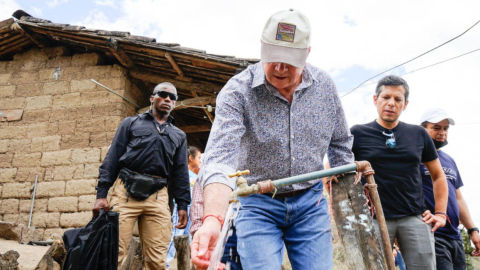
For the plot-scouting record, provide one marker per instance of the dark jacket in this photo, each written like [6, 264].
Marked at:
[139, 146]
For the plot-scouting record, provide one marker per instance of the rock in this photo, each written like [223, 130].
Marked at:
[54, 257]
[17, 232]
[8, 261]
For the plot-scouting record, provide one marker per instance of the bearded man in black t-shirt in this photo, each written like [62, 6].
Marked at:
[396, 150]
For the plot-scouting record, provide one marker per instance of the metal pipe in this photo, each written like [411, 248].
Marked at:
[33, 201]
[133, 103]
[314, 175]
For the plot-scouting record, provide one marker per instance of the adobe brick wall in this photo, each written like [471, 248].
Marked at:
[64, 134]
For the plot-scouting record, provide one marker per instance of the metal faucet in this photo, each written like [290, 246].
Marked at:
[243, 189]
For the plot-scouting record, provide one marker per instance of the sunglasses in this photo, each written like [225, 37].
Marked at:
[165, 94]
[390, 142]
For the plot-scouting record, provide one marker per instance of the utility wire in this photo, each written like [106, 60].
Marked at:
[413, 58]
[438, 63]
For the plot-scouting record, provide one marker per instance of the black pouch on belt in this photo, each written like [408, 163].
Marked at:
[141, 186]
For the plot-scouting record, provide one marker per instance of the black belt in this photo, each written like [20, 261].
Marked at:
[286, 194]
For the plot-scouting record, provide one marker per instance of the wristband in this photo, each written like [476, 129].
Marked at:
[474, 229]
[443, 214]
[219, 218]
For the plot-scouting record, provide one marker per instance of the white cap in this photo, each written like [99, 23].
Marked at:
[436, 115]
[286, 38]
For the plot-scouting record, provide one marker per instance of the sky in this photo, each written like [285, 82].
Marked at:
[351, 40]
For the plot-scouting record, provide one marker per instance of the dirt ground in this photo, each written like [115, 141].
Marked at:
[29, 255]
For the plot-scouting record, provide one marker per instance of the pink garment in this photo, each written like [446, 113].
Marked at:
[196, 208]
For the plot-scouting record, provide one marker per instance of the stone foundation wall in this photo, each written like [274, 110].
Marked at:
[65, 131]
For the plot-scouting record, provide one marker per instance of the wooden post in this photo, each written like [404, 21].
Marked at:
[355, 225]
[182, 245]
[133, 259]
[382, 224]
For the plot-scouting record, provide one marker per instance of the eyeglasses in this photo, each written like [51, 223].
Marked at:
[165, 94]
[390, 142]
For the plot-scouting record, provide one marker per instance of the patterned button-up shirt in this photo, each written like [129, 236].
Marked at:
[257, 129]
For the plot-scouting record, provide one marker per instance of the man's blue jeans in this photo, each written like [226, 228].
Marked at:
[264, 225]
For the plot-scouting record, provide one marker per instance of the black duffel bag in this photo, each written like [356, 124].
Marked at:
[94, 246]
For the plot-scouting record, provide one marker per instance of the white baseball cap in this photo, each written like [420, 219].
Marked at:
[286, 38]
[436, 115]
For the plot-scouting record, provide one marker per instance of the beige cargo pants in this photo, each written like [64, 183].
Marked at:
[154, 225]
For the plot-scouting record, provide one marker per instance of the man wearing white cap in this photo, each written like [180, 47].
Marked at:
[449, 249]
[278, 118]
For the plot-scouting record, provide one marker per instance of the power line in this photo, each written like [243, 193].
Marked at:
[438, 63]
[413, 58]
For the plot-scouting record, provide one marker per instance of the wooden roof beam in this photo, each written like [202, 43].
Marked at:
[119, 53]
[174, 64]
[196, 101]
[38, 39]
[209, 114]
[190, 86]
[186, 103]
[198, 128]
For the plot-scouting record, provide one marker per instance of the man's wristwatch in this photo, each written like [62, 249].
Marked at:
[474, 229]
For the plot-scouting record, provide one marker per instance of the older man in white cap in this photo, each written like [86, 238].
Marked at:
[278, 118]
[449, 249]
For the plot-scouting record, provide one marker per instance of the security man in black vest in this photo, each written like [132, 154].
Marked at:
[147, 153]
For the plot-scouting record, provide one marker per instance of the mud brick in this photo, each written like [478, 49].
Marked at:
[6, 160]
[63, 204]
[38, 102]
[22, 145]
[9, 174]
[61, 157]
[79, 140]
[87, 59]
[27, 160]
[50, 189]
[3, 146]
[80, 187]
[29, 90]
[10, 206]
[62, 62]
[40, 115]
[56, 88]
[46, 220]
[85, 202]
[39, 205]
[7, 91]
[91, 170]
[88, 155]
[66, 127]
[12, 103]
[25, 77]
[104, 152]
[28, 174]
[99, 140]
[75, 219]
[16, 190]
[118, 83]
[97, 72]
[5, 79]
[67, 100]
[82, 85]
[72, 73]
[118, 71]
[43, 144]
[68, 172]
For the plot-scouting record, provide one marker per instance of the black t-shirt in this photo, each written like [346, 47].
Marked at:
[397, 170]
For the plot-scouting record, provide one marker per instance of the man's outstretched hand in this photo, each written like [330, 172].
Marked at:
[204, 242]
[100, 204]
